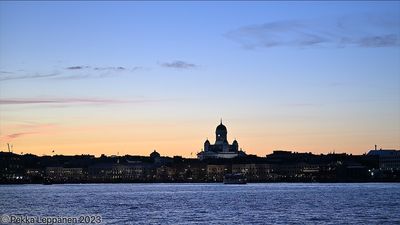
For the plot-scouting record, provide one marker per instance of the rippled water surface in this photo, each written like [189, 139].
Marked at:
[209, 203]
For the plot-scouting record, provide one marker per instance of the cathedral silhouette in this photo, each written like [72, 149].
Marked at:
[221, 148]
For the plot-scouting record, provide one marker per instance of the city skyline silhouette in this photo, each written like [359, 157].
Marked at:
[129, 77]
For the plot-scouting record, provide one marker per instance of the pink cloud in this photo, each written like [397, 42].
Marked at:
[68, 101]
[28, 129]
[13, 136]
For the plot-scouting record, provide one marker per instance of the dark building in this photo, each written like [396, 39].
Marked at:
[389, 159]
[221, 148]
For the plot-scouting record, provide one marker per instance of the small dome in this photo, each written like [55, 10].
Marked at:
[235, 142]
[207, 142]
[154, 154]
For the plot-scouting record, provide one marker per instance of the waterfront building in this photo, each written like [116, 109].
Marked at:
[221, 148]
[389, 159]
[33, 172]
[131, 171]
[217, 172]
[253, 171]
[60, 174]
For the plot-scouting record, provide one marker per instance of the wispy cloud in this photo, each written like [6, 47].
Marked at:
[77, 67]
[365, 30]
[5, 72]
[21, 101]
[178, 64]
[103, 68]
[33, 76]
[15, 135]
[25, 129]
[379, 41]
[72, 73]
[96, 72]
[84, 76]
[49, 101]
[118, 68]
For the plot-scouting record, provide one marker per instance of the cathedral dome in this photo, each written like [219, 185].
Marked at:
[221, 128]
[220, 134]
[154, 154]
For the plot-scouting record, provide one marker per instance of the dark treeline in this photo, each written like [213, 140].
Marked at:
[281, 166]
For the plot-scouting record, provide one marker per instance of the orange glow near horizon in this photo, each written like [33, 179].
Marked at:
[171, 139]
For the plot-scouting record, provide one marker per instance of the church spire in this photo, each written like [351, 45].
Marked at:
[221, 120]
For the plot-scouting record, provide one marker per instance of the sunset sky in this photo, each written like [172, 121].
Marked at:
[130, 77]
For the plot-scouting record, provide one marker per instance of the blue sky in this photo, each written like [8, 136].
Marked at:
[310, 76]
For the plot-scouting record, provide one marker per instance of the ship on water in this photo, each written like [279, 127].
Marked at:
[235, 178]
